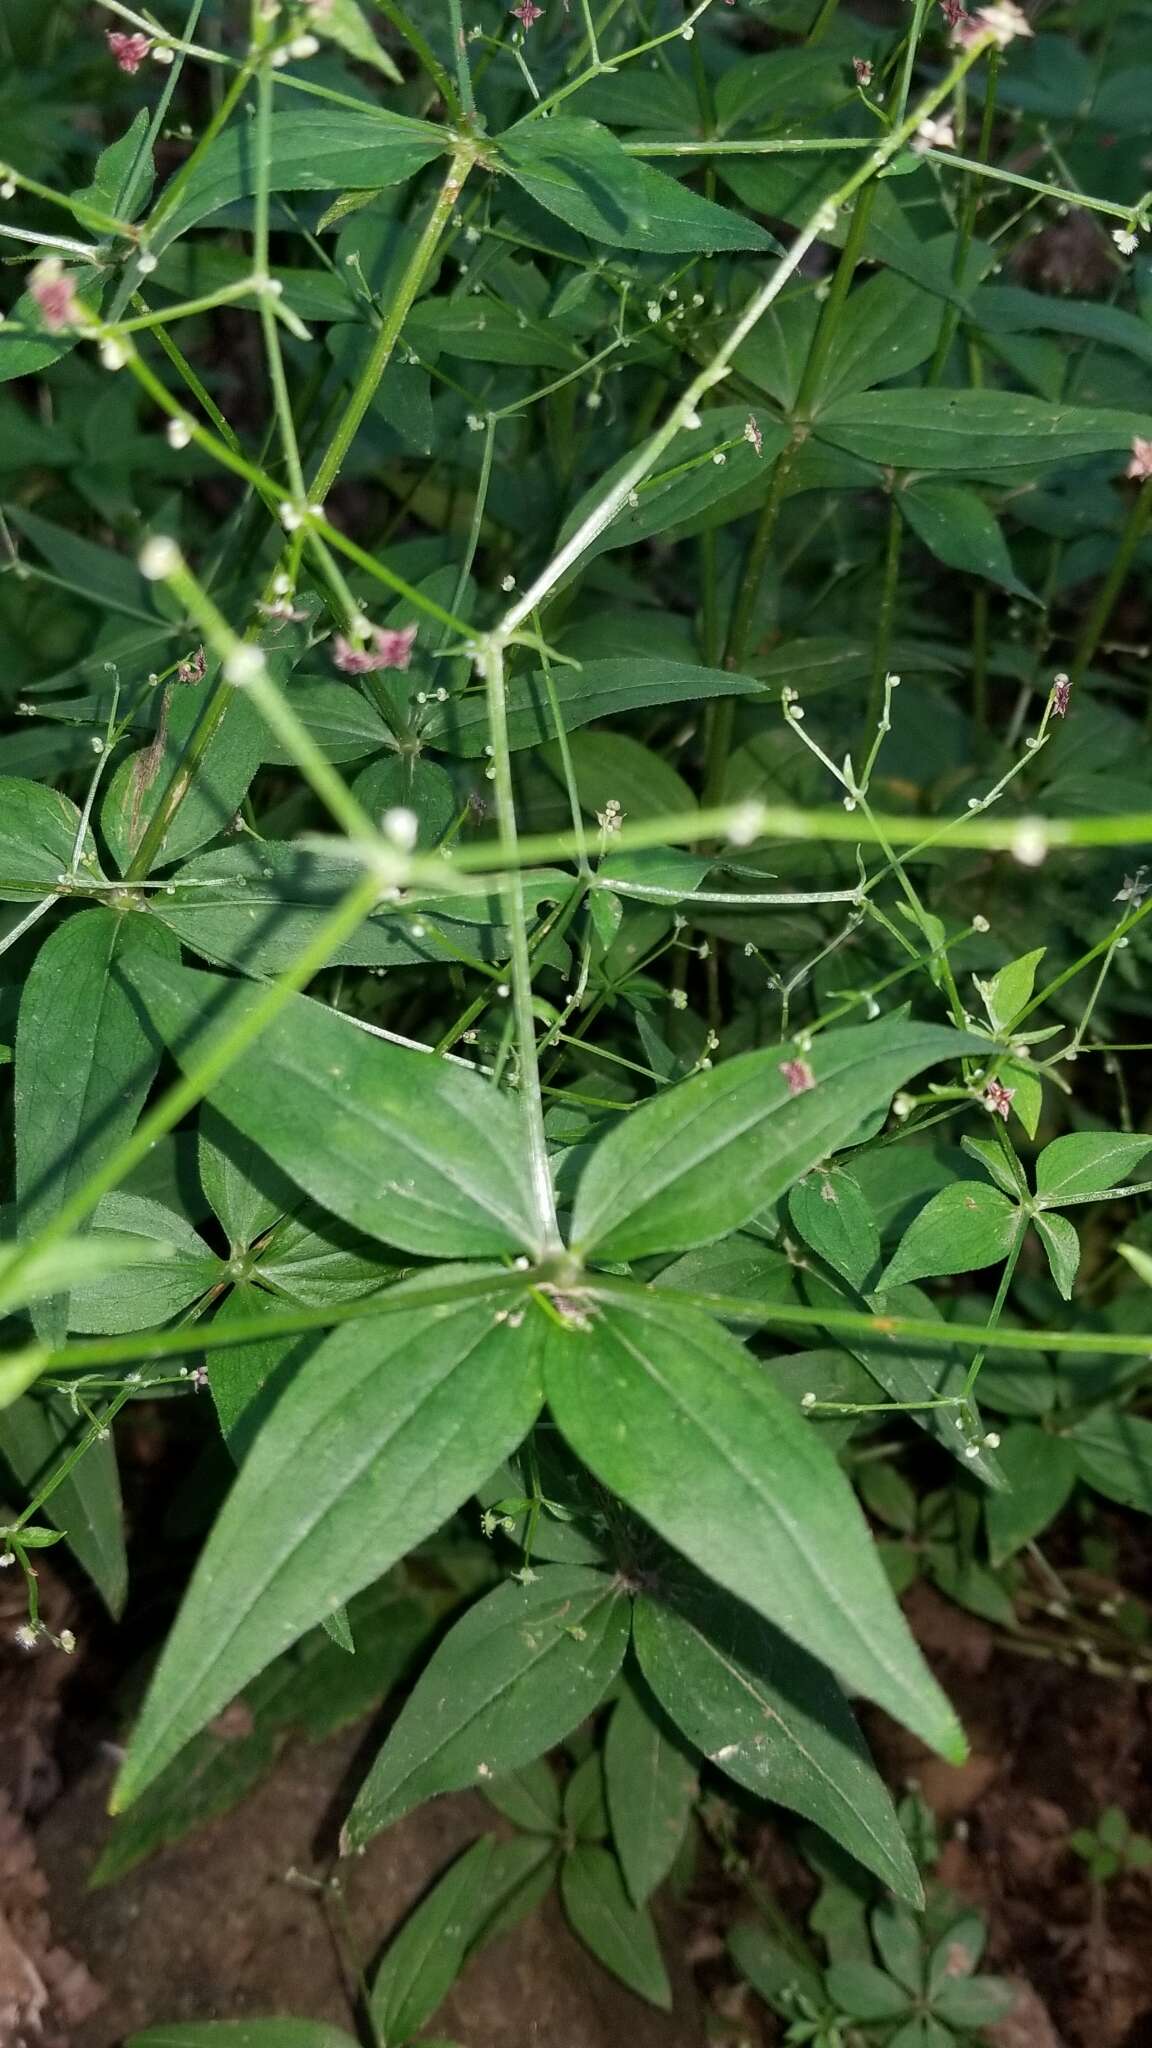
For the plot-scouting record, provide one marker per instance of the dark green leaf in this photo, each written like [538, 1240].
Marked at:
[1114, 1454]
[676, 1417]
[425, 1958]
[323, 149]
[773, 1719]
[965, 1226]
[960, 530]
[84, 1064]
[518, 1673]
[651, 1784]
[1085, 1164]
[620, 1935]
[1062, 1247]
[865, 1993]
[578, 171]
[382, 1433]
[704, 1158]
[833, 1217]
[980, 432]
[38, 830]
[600, 689]
[530, 1797]
[333, 1107]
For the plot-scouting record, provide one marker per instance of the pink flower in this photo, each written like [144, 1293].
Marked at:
[953, 11]
[1140, 466]
[997, 1099]
[862, 70]
[388, 650]
[129, 51]
[1061, 692]
[798, 1075]
[192, 670]
[51, 287]
[752, 433]
[527, 13]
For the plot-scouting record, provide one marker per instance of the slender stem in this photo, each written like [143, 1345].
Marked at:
[512, 900]
[460, 59]
[1100, 610]
[998, 1304]
[399, 308]
[424, 53]
[887, 611]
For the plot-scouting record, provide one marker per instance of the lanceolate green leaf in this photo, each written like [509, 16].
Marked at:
[704, 1158]
[84, 1063]
[380, 1436]
[1087, 1163]
[577, 170]
[1114, 1454]
[600, 689]
[38, 830]
[975, 431]
[413, 1150]
[676, 1417]
[962, 532]
[773, 1719]
[423, 1960]
[619, 1934]
[517, 1674]
[326, 149]
[965, 1226]
[650, 1781]
[1040, 1469]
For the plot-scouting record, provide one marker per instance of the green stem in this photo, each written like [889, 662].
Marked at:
[424, 53]
[460, 59]
[512, 901]
[399, 308]
[886, 615]
[997, 1305]
[1100, 611]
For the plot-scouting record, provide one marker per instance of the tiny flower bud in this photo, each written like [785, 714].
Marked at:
[159, 557]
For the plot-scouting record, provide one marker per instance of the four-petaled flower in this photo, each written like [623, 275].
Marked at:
[387, 650]
[798, 1075]
[752, 433]
[1061, 692]
[51, 287]
[953, 11]
[1004, 21]
[527, 13]
[129, 51]
[1126, 240]
[1140, 465]
[192, 670]
[1134, 889]
[934, 135]
[998, 1099]
[862, 70]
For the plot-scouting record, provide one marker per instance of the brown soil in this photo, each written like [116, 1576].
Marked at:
[224, 1925]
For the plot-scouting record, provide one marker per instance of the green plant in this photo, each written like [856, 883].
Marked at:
[1111, 1847]
[605, 696]
[905, 1979]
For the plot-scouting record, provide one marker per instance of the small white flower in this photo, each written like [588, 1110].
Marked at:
[113, 355]
[1005, 21]
[304, 46]
[1126, 240]
[178, 433]
[934, 135]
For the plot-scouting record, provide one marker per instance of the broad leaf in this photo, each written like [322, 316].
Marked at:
[1041, 1471]
[650, 1782]
[1087, 1163]
[965, 1226]
[773, 1719]
[324, 149]
[38, 830]
[1010, 989]
[981, 432]
[421, 1153]
[1062, 1247]
[833, 1217]
[676, 1417]
[704, 1158]
[424, 1959]
[577, 170]
[523, 1668]
[174, 1267]
[957, 527]
[141, 781]
[1114, 1454]
[600, 689]
[620, 1935]
[84, 1063]
[382, 1433]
